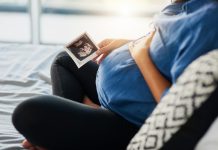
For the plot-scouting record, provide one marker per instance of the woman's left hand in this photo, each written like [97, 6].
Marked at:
[140, 50]
[156, 82]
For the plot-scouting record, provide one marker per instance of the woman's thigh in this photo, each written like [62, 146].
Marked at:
[56, 123]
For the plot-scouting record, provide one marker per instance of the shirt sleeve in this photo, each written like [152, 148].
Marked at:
[196, 44]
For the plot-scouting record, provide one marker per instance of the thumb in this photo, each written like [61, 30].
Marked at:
[150, 37]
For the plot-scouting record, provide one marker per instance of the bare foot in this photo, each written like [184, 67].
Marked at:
[26, 144]
[87, 101]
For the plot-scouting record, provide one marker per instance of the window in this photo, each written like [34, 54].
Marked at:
[63, 20]
[59, 21]
[15, 22]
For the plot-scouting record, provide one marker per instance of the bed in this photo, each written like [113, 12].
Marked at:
[24, 72]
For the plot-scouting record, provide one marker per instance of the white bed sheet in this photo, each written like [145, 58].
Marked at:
[24, 72]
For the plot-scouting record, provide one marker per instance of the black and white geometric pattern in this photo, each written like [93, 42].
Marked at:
[192, 89]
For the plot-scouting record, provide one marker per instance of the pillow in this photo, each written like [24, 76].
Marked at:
[186, 112]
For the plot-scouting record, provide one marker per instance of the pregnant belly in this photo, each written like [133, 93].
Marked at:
[122, 88]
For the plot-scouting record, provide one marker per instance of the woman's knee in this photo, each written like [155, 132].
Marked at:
[27, 112]
[62, 60]
[61, 57]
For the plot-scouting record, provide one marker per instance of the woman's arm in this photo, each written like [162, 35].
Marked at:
[155, 80]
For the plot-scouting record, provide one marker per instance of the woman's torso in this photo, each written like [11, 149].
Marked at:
[177, 42]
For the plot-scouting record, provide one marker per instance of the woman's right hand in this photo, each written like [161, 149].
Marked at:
[108, 45]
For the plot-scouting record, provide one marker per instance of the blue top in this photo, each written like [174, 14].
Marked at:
[185, 31]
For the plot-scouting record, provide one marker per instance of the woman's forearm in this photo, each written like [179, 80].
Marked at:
[155, 80]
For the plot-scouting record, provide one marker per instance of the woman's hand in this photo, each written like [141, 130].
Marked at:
[108, 45]
[154, 79]
[141, 49]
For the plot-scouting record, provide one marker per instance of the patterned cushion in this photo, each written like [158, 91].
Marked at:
[186, 112]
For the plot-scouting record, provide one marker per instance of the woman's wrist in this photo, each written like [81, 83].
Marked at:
[156, 82]
[144, 60]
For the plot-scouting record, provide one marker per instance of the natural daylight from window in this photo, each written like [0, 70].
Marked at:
[59, 21]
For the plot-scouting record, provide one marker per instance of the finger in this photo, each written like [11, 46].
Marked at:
[104, 43]
[152, 34]
[101, 44]
[94, 59]
[101, 58]
[149, 38]
[108, 48]
[99, 52]
[98, 59]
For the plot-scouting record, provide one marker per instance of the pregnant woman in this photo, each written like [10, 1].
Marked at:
[127, 82]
